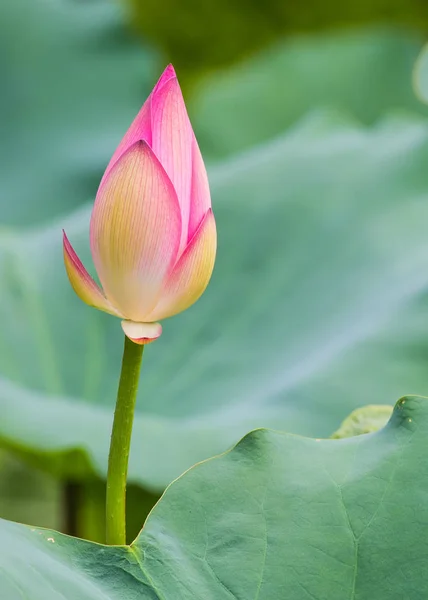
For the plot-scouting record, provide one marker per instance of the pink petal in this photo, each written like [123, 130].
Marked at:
[142, 333]
[172, 137]
[135, 232]
[141, 127]
[169, 73]
[82, 283]
[191, 274]
[200, 198]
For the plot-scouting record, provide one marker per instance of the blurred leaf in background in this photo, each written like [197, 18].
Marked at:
[363, 72]
[199, 36]
[72, 80]
[420, 75]
[28, 495]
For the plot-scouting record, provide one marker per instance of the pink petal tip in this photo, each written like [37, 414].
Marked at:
[82, 283]
[168, 74]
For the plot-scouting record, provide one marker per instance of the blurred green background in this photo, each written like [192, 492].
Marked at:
[317, 151]
[202, 36]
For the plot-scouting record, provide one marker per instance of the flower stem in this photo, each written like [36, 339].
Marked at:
[120, 443]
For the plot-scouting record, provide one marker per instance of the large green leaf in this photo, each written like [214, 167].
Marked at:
[317, 306]
[71, 82]
[279, 516]
[365, 72]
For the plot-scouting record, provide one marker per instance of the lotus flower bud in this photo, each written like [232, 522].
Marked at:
[152, 232]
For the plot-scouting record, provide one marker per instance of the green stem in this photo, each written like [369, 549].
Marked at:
[120, 443]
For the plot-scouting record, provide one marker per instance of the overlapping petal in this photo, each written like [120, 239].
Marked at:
[191, 274]
[135, 232]
[169, 73]
[140, 130]
[200, 198]
[172, 142]
[82, 283]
